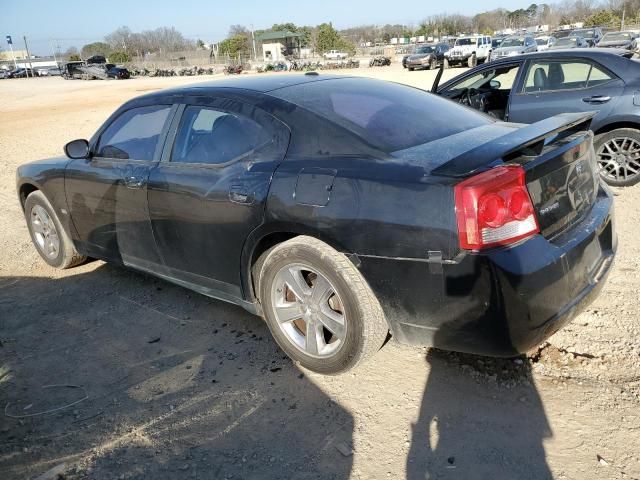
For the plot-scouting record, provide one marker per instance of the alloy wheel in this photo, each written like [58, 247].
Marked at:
[44, 232]
[619, 158]
[308, 310]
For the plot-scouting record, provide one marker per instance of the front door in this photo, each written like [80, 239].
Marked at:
[558, 86]
[208, 192]
[107, 193]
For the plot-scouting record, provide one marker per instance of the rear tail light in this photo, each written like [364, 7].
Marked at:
[494, 208]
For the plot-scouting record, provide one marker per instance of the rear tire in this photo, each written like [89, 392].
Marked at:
[47, 234]
[618, 154]
[319, 308]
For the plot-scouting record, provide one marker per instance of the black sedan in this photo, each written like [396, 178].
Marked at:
[426, 56]
[118, 73]
[529, 88]
[310, 200]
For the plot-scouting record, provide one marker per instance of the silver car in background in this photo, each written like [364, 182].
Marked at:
[515, 45]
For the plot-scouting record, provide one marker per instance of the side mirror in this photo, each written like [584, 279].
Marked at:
[77, 149]
[495, 84]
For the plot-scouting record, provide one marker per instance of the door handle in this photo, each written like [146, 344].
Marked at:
[132, 181]
[597, 99]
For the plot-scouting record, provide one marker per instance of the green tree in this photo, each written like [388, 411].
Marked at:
[328, 38]
[602, 18]
[237, 44]
[200, 44]
[74, 57]
[96, 48]
[119, 57]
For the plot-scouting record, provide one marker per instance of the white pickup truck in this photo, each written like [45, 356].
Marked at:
[335, 55]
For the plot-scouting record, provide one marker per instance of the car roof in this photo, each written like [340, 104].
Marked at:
[261, 83]
[595, 53]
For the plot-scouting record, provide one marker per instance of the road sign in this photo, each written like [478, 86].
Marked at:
[9, 41]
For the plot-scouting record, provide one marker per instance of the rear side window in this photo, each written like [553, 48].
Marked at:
[570, 75]
[212, 136]
[134, 134]
[389, 116]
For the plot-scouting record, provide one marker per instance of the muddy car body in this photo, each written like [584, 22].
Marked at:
[460, 232]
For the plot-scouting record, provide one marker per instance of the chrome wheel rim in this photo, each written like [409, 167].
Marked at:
[44, 232]
[308, 310]
[619, 158]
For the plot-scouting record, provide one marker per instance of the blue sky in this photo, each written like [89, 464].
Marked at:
[77, 22]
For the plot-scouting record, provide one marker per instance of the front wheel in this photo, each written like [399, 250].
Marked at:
[50, 239]
[319, 308]
[618, 154]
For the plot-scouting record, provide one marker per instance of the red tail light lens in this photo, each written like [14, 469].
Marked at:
[494, 208]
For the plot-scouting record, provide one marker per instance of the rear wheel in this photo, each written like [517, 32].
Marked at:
[319, 308]
[618, 153]
[52, 242]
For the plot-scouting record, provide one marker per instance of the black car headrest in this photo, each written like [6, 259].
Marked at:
[540, 78]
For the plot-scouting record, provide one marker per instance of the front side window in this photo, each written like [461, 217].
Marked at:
[212, 136]
[134, 134]
[555, 75]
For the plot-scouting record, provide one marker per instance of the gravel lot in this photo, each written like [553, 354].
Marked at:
[178, 385]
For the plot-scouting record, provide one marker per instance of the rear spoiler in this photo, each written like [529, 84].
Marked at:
[527, 140]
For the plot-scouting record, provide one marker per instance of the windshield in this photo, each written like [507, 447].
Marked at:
[495, 43]
[583, 33]
[614, 36]
[512, 42]
[425, 50]
[541, 41]
[567, 41]
[465, 41]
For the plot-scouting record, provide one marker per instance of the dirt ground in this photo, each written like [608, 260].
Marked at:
[169, 384]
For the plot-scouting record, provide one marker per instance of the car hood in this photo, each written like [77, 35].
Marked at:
[504, 50]
[614, 43]
[418, 56]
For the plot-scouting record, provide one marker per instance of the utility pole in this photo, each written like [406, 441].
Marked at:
[54, 52]
[253, 40]
[26, 47]
[10, 42]
[624, 9]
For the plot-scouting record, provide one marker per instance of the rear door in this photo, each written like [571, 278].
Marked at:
[208, 192]
[553, 86]
[107, 193]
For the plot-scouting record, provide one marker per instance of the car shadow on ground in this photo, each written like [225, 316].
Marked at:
[182, 386]
[177, 386]
[480, 418]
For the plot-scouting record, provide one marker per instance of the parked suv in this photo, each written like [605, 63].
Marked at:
[469, 50]
[591, 35]
[515, 45]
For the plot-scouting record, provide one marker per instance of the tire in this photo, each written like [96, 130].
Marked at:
[44, 232]
[347, 302]
[410, 69]
[616, 164]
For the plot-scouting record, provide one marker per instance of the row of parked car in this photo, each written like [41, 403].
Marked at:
[469, 50]
[21, 72]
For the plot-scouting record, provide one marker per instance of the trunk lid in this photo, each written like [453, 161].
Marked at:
[559, 161]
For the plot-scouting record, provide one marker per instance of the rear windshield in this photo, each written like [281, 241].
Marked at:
[389, 116]
[512, 42]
